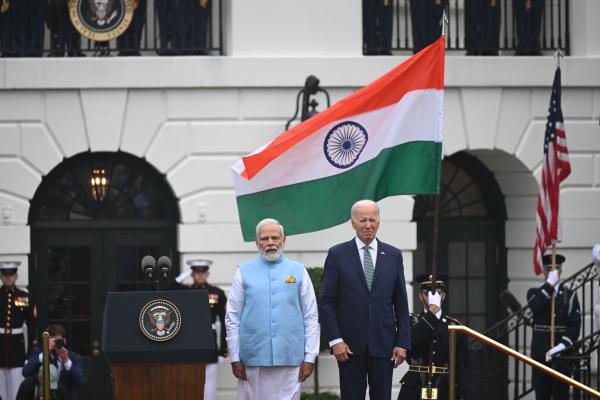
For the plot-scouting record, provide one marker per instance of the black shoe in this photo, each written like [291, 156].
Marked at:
[472, 53]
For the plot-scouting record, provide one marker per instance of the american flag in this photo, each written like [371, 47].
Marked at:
[556, 168]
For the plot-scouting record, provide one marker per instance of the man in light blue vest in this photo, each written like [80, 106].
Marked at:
[272, 321]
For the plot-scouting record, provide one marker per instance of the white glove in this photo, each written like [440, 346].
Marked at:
[183, 276]
[434, 299]
[596, 255]
[556, 349]
[553, 277]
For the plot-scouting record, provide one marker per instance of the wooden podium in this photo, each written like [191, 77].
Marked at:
[146, 365]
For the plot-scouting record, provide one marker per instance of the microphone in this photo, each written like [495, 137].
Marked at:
[164, 266]
[148, 265]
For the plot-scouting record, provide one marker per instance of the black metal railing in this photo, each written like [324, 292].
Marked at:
[163, 27]
[516, 331]
[489, 27]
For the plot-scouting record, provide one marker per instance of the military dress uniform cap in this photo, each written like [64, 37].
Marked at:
[426, 281]
[547, 260]
[201, 265]
[9, 267]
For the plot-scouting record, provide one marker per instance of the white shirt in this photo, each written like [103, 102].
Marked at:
[308, 302]
[361, 252]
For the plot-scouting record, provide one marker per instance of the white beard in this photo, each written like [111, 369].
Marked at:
[271, 256]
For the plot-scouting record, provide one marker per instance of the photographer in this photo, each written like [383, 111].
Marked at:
[68, 363]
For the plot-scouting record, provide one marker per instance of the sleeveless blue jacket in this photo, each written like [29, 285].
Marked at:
[272, 323]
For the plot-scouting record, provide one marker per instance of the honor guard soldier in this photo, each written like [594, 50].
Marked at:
[217, 300]
[529, 15]
[192, 26]
[63, 35]
[426, 16]
[482, 27]
[567, 322]
[130, 42]
[166, 15]
[428, 373]
[15, 311]
[377, 27]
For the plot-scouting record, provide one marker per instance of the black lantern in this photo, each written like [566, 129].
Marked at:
[311, 88]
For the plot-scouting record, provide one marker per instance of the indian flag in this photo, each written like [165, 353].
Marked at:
[383, 140]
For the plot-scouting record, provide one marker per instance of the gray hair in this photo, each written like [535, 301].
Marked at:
[268, 221]
[364, 202]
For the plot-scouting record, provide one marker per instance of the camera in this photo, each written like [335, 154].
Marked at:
[59, 344]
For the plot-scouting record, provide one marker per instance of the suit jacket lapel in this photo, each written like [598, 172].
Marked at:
[356, 265]
[380, 263]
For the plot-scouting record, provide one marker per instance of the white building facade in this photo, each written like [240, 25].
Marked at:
[191, 118]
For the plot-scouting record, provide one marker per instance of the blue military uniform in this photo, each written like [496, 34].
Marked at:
[529, 17]
[192, 26]
[129, 43]
[377, 26]
[430, 338]
[567, 323]
[426, 16]
[63, 35]
[166, 14]
[482, 27]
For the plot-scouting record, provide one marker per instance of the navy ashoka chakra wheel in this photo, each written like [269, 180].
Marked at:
[344, 143]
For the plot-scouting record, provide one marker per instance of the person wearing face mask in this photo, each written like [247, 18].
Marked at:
[430, 339]
[272, 321]
[567, 323]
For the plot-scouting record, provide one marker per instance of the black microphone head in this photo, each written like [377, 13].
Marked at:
[164, 264]
[510, 301]
[148, 265]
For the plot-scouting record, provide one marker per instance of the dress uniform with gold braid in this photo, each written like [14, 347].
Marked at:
[430, 338]
[567, 323]
[217, 301]
[15, 311]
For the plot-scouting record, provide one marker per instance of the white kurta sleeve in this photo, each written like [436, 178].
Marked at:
[312, 329]
[235, 305]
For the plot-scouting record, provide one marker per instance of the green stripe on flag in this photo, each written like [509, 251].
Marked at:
[409, 168]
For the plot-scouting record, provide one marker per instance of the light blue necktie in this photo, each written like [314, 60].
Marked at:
[368, 267]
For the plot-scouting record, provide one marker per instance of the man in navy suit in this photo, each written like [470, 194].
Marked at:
[68, 363]
[364, 308]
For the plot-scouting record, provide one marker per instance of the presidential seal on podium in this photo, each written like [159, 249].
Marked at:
[160, 320]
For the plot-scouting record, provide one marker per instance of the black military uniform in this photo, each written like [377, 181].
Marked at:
[430, 338]
[425, 17]
[129, 43]
[482, 27]
[192, 26]
[15, 311]
[529, 16]
[377, 27]
[567, 323]
[63, 35]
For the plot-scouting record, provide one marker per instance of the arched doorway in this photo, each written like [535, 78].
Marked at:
[92, 219]
[471, 251]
